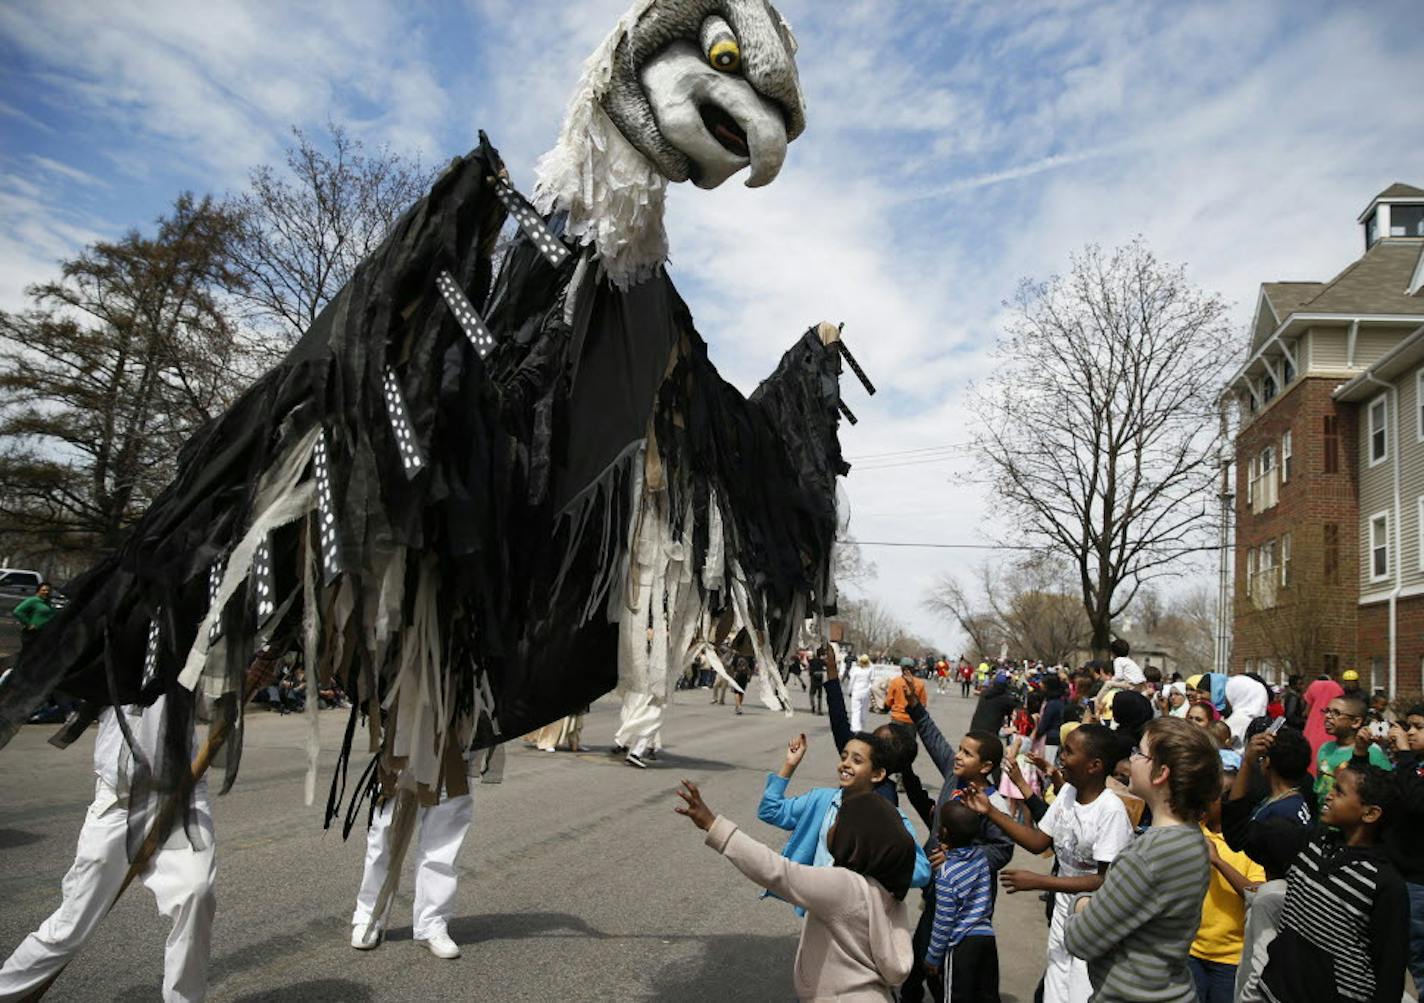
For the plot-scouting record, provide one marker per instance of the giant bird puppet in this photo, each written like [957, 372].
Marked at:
[465, 486]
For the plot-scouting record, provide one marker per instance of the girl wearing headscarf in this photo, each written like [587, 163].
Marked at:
[1248, 699]
[855, 941]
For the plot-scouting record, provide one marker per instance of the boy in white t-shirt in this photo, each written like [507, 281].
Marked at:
[1087, 826]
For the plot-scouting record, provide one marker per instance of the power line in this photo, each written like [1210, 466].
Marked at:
[948, 446]
[996, 546]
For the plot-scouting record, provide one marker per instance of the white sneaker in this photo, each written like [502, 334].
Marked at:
[440, 945]
[367, 936]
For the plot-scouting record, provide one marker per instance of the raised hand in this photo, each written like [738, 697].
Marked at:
[1260, 745]
[796, 751]
[976, 799]
[694, 807]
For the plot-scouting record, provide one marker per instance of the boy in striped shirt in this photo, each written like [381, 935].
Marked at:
[962, 944]
[1345, 925]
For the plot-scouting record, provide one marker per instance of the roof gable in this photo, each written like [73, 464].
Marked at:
[1399, 190]
[1377, 283]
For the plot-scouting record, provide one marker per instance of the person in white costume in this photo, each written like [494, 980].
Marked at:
[859, 679]
[442, 829]
[180, 874]
[640, 725]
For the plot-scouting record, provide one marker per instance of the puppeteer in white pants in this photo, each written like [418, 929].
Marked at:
[443, 813]
[180, 876]
[640, 723]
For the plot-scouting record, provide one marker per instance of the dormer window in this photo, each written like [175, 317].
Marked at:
[1372, 230]
[1406, 221]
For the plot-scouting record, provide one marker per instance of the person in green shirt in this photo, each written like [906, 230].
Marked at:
[1344, 716]
[34, 612]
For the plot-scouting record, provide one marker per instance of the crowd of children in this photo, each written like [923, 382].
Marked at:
[1200, 853]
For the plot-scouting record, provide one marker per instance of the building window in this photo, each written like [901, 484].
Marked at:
[1287, 370]
[1331, 568]
[1285, 559]
[1250, 569]
[1419, 508]
[1268, 388]
[1285, 456]
[1419, 401]
[1379, 547]
[1377, 674]
[1372, 230]
[1262, 494]
[1379, 444]
[1406, 221]
[1332, 445]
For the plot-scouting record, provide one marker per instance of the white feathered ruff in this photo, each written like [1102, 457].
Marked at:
[614, 196]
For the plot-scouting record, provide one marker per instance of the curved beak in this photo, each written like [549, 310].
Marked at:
[717, 120]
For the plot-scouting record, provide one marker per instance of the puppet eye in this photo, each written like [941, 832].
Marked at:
[720, 44]
[725, 55]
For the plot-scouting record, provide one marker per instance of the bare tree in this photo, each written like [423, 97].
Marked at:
[1188, 627]
[849, 564]
[106, 377]
[870, 627]
[950, 600]
[1099, 424]
[1027, 606]
[304, 230]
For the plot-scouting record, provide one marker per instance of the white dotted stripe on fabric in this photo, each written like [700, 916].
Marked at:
[470, 322]
[411, 459]
[326, 511]
[150, 655]
[215, 575]
[549, 245]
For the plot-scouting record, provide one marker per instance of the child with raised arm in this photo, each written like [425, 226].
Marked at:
[855, 942]
[969, 766]
[1136, 931]
[810, 816]
[1086, 827]
[962, 951]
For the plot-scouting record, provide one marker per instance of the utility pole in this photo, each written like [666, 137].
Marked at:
[1225, 499]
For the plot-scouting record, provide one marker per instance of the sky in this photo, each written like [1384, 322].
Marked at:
[952, 149]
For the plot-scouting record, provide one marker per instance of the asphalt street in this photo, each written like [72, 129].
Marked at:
[578, 881]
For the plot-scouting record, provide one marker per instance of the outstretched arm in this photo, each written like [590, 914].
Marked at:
[941, 752]
[776, 808]
[1029, 837]
[822, 890]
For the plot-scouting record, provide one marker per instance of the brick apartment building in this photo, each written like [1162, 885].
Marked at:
[1329, 472]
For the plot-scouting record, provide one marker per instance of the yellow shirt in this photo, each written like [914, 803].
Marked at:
[1223, 921]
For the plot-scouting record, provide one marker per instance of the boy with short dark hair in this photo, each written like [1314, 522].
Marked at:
[962, 950]
[1344, 924]
[970, 765]
[1344, 716]
[1087, 826]
[1402, 838]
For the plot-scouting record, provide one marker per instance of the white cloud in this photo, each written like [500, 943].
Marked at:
[952, 149]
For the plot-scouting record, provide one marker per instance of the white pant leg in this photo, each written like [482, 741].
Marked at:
[642, 719]
[181, 880]
[442, 831]
[378, 864]
[100, 863]
[859, 704]
[1066, 978]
